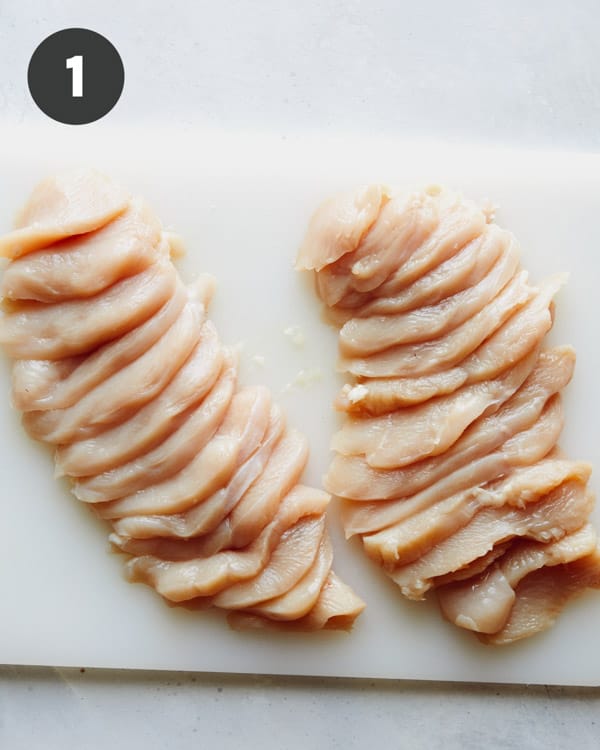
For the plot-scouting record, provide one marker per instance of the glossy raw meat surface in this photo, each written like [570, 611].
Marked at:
[118, 368]
[453, 407]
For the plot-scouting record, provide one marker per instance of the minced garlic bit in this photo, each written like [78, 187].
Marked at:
[295, 334]
[357, 393]
[304, 379]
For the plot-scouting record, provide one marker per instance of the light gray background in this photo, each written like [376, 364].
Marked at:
[513, 73]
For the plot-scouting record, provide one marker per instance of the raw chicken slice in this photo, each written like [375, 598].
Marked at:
[339, 225]
[71, 203]
[85, 265]
[243, 427]
[541, 596]
[351, 477]
[205, 517]
[336, 608]
[521, 334]
[477, 566]
[58, 384]
[193, 577]
[119, 396]
[156, 535]
[433, 356]
[411, 538]
[259, 504]
[462, 222]
[163, 415]
[375, 396]
[463, 270]
[484, 603]
[168, 457]
[405, 222]
[302, 597]
[403, 437]
[285, 461]
[524, 448]
[363, 336]
[290, 561]
[564, 510]
[39, 331]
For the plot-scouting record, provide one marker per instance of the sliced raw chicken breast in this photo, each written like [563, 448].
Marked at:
[71, 203]
[116, 365]
[452, 410]
[89, 263]
[484, 602]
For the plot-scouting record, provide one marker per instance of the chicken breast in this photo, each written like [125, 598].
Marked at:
[522, 333]
[338, 226]
[210, 469]
[409, 539]
[35, 330]
[455, 275]
[337, 607]
[160, 535]
[351, 477]
[181, 580]
[433, 356]
[404, 437]
[47, 384]
[122, 394]
[156, 420]
[117, 366]
[565, 510]
[361, 337]
[541, 596]
[484, 602]
[89, 263]
[71, 203]
[448, 447]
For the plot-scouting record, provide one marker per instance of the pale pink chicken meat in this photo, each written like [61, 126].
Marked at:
[210, 469]
[368, 335]
[447, 451]
[564, 510]
[541, 596]
[87, 264]
[409, 539]
[522, 449]
[163, 415]
[515, 339]
[553, 371]
[484, 602]
[117, 366]
[71, 203]
[34, 330]
[57, 384]
[179, 580]
[437, 354]
[455, 275]
[404, 437]
[285, 461]
[123, 393]
[169, 456]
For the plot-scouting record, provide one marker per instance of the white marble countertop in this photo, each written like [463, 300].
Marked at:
[512, 73]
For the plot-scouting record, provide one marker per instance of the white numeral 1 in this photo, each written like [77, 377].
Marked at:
[76, 65]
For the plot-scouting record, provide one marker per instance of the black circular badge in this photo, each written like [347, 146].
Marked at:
[76, 76]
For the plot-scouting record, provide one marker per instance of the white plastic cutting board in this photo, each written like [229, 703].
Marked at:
[241, 204]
